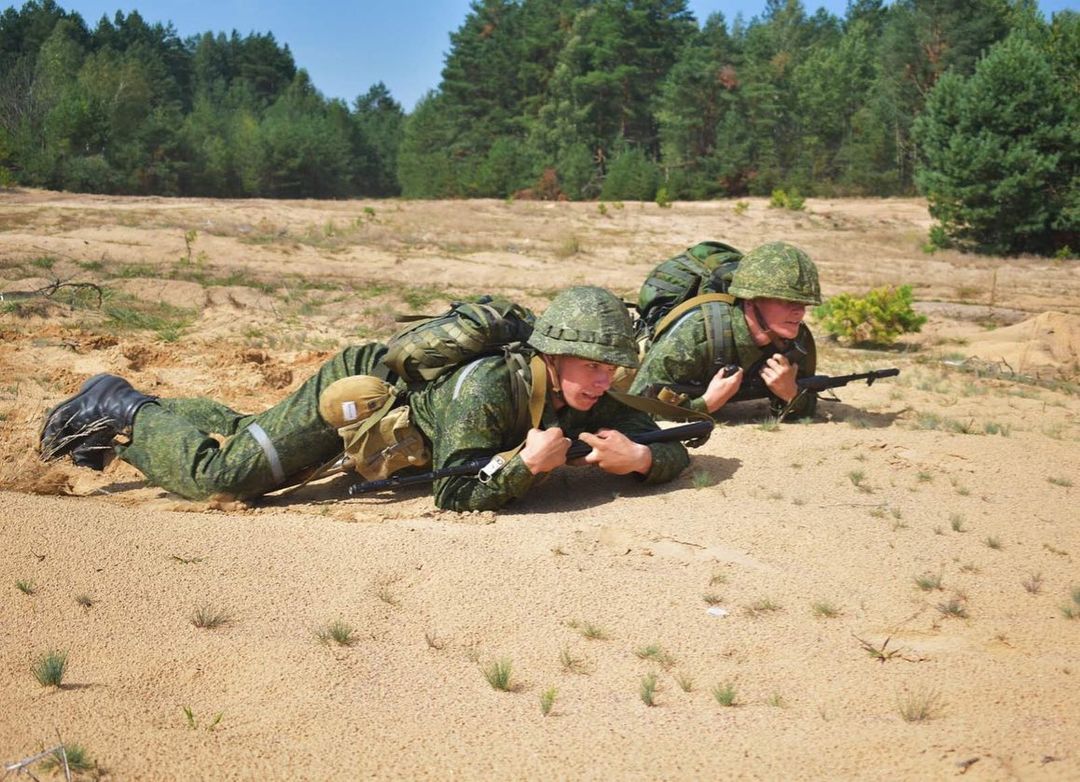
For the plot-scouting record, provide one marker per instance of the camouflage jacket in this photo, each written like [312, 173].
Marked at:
[680, 355]
[471, 413]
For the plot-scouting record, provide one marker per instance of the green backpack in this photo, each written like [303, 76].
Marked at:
[705, 268]
[436, 345]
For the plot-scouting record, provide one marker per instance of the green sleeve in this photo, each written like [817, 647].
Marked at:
[679, 356]
[475, 418]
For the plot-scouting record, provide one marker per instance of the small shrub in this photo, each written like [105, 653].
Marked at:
[547, 700]
[823, 609]
[920, 706]
[928, 582]
[1033, 583]
[49, 668]
[741, 207]
[339, 632]
[647, 691]
[209, 617]
[74, 755]
[879, 317]
[25, 586]
[725, 694]
[498, 675]
[956, 521]
[783, 199]
[656, 654]
[663, 198]
[994, 542]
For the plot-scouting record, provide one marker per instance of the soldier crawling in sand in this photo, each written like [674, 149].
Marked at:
[563, 371]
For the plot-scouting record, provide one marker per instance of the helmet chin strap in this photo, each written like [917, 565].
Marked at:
[763, 324]
[553, 378]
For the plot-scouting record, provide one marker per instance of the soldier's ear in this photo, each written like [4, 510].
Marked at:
[553, 372]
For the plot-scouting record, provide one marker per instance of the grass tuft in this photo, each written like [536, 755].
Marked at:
[499, 675]
[725, 694]
[1033, 583]
[647, 690]
[920, 706]
[208, 617]
[656, 654]
[928, 581]
[86, 601]
[823, 609]
[74, 756]
[49, 668]
[339, 632]
[573, 664]
[547, 700]
[25, 586]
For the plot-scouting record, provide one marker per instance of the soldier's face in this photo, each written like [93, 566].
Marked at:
[583, 381]
[782, 317]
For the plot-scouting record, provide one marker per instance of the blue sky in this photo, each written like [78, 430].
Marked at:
[348, 46]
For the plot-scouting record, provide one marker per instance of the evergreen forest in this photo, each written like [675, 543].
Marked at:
[973, 103]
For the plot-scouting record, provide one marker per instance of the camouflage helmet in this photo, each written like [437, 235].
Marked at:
[776, 270]
[587, 322]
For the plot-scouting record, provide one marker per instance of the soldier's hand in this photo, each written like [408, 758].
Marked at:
[614, 452]
[545, 449]
[721, 388]
[779, 376]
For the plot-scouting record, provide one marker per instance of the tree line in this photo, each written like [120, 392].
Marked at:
[974, 103]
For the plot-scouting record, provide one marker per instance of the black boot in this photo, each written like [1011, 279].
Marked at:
[85, 425]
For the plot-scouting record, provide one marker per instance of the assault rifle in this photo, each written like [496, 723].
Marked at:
[696, 433]
[812, 383]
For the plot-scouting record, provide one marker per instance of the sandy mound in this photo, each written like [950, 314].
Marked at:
[1043, 346]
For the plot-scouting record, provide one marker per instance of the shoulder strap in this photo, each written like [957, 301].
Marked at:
[686, 306]
[720, 340]
[536, 388]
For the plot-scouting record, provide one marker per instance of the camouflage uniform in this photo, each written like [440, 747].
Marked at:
[466, 414]
[680, 356]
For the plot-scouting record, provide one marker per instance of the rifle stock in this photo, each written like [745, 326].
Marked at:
[695, 433]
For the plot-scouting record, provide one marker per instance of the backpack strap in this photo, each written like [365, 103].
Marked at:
[720, 341]
[686, 306]
[535, 389]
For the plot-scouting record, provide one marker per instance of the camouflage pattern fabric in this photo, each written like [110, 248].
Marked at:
[776, 270]
[681, 356]
[466, 414]
[588, 322]
[471, 413]
[171, 443]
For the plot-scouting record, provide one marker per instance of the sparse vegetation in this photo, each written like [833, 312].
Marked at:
[725, 694]
[993, 542]
[208, 617]
[86, 601]
[25, 586]
[547, 700]
[953, 608]
[499, 675]
[702, 479]
[823, 609]
[920, 706]
[762, 606]
[956, 522]
[338, 631]
[1059, 481]
[656, 654]
[49, 668]
[72, 756]
[572, 663]
[928, 582]
[1033, 583]
[685, 682]
[647, 690]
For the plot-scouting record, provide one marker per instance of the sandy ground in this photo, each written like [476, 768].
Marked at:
[784, 566]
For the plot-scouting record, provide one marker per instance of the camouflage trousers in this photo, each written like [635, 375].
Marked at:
[171, 443]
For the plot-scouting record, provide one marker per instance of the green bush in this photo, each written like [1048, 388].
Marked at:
[782, 199]
[663, 198]
[879, 317]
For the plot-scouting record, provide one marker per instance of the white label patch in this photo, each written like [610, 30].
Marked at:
[348, 411]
